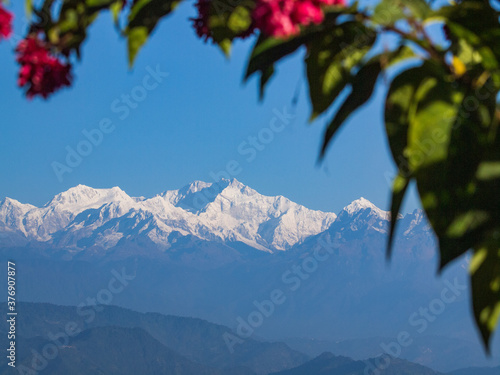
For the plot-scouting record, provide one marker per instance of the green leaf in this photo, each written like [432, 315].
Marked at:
[362, 86]
[399, 101]
[67, 29]
[332, 56]
[227, 22]
[489, 170]
[267, 51]
[388, 12]
[474, 29]
[115, 9]
[485, 282]
[474, 43]
[137, 36]
[264, 79]
[399, 187]
[434, 138]
[402, 54]
[143, 18]
[28, 6]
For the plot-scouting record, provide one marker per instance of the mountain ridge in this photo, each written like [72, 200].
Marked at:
[227, 211]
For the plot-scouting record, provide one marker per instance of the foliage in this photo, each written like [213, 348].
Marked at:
[441, 110]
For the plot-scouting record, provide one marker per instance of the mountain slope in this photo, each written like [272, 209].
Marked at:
[477, 371]
[195, 339]
[119, 351]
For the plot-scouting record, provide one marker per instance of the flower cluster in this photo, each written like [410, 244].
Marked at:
[283, 18]
[40, 72]
[5, 23]
[277, 18]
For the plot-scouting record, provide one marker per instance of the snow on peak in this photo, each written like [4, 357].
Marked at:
[363, 204]
[225, 211]
[196, 186]
[81, 197]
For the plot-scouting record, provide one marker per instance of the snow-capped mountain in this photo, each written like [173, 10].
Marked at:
[228, 211]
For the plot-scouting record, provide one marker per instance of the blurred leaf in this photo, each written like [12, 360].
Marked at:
[28, 6]
[67, 29]
[473, 28]
[267, 51]
[227, 23]
[388, 12]
[485, 282]
[142, 20]
[362, 86]
[399, 187]
[332, 56]
[398, 107]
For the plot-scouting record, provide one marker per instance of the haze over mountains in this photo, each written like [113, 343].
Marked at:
[119, 341]
[216, 251]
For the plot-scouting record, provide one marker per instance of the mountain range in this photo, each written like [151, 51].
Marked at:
[86, 218]
[216, 251]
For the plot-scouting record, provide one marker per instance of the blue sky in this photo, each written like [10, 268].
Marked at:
[188, 127]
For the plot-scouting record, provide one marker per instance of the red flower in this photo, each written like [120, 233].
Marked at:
[332, 2]
[5, 23]
[306, 12]
[283, 18]
[273, 17]
[40, 72]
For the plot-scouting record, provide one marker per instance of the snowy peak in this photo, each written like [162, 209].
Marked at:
[226, 211]
[362, 204]
[82, 197]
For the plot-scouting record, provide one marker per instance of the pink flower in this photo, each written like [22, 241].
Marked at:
[5, 23]
[332, 2]
[273, 17]
[283, 18]
[40, 72]
[306, 12]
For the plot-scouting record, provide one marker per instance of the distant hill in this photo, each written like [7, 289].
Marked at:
[328, 364]
[440, 353]
[477, 371]
[191, 340]
[120, 351]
